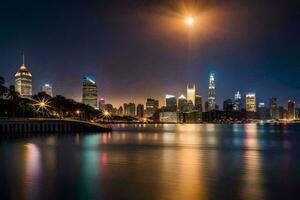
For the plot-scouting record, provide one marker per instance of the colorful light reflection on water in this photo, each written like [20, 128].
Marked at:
[190, 161]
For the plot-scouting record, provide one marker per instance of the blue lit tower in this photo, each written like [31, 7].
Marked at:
[211, 93]
[89, 92]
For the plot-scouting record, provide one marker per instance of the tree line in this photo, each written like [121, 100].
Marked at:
[12, 105]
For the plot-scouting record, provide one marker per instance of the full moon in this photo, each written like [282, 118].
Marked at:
[189, 21]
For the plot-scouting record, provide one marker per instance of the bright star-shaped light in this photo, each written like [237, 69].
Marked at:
[41, 104]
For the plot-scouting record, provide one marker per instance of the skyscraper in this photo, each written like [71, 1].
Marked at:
[191, 93]
[131, 109]
[198, 103]
[120, 111]
[291, 109]
[125, 112]
[89, 92]
[171, 102]
[198, 107]
[228, 105]
[151, 106]
[237, 103]
[23, 81]
[211, 93]
[47, 89]
[250, 102]
[140, 110]
[262, 111]
[182, 104]
[274, 108]
[101, 103]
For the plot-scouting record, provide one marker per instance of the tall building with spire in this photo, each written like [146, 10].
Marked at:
[191, 93]
[23, 80]
[211, 93]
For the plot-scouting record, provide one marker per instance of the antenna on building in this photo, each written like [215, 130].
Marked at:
[23, 58]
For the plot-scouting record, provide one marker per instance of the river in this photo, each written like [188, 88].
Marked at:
[165, 161]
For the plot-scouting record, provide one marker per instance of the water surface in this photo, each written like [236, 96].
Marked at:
[191, 161]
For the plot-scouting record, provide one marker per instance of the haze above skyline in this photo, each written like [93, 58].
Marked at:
[138, 49]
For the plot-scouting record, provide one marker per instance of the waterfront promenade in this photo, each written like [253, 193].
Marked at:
[40, 125]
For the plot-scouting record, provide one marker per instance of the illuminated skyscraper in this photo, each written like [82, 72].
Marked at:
[89, 92]
[228, 105]
[237, 103]
[171, 102]
[211, 93]
[250, 102]
[23, 81]
[140, 110]
[262, 111]
[151, 106]
[182, 104]
[47, 89]
[129, 109]
[198, 108]
[120, 111]
[291, 109]
[101, 103]
[191, 93]
[198, 103]
[274, 108]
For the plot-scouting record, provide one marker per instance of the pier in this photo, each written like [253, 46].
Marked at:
[23, 126]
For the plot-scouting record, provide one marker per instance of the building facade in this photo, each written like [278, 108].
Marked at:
[170, 117]
[89, 92]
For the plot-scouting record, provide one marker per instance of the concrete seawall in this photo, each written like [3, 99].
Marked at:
[49, 126]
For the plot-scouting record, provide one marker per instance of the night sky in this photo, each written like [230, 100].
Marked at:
[142, 48]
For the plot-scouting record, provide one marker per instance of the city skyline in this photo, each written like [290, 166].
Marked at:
[90, 95]
[134, 46]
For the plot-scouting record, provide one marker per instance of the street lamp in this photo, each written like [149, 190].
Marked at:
[42, 105]
[106, 114]
[78, 113]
